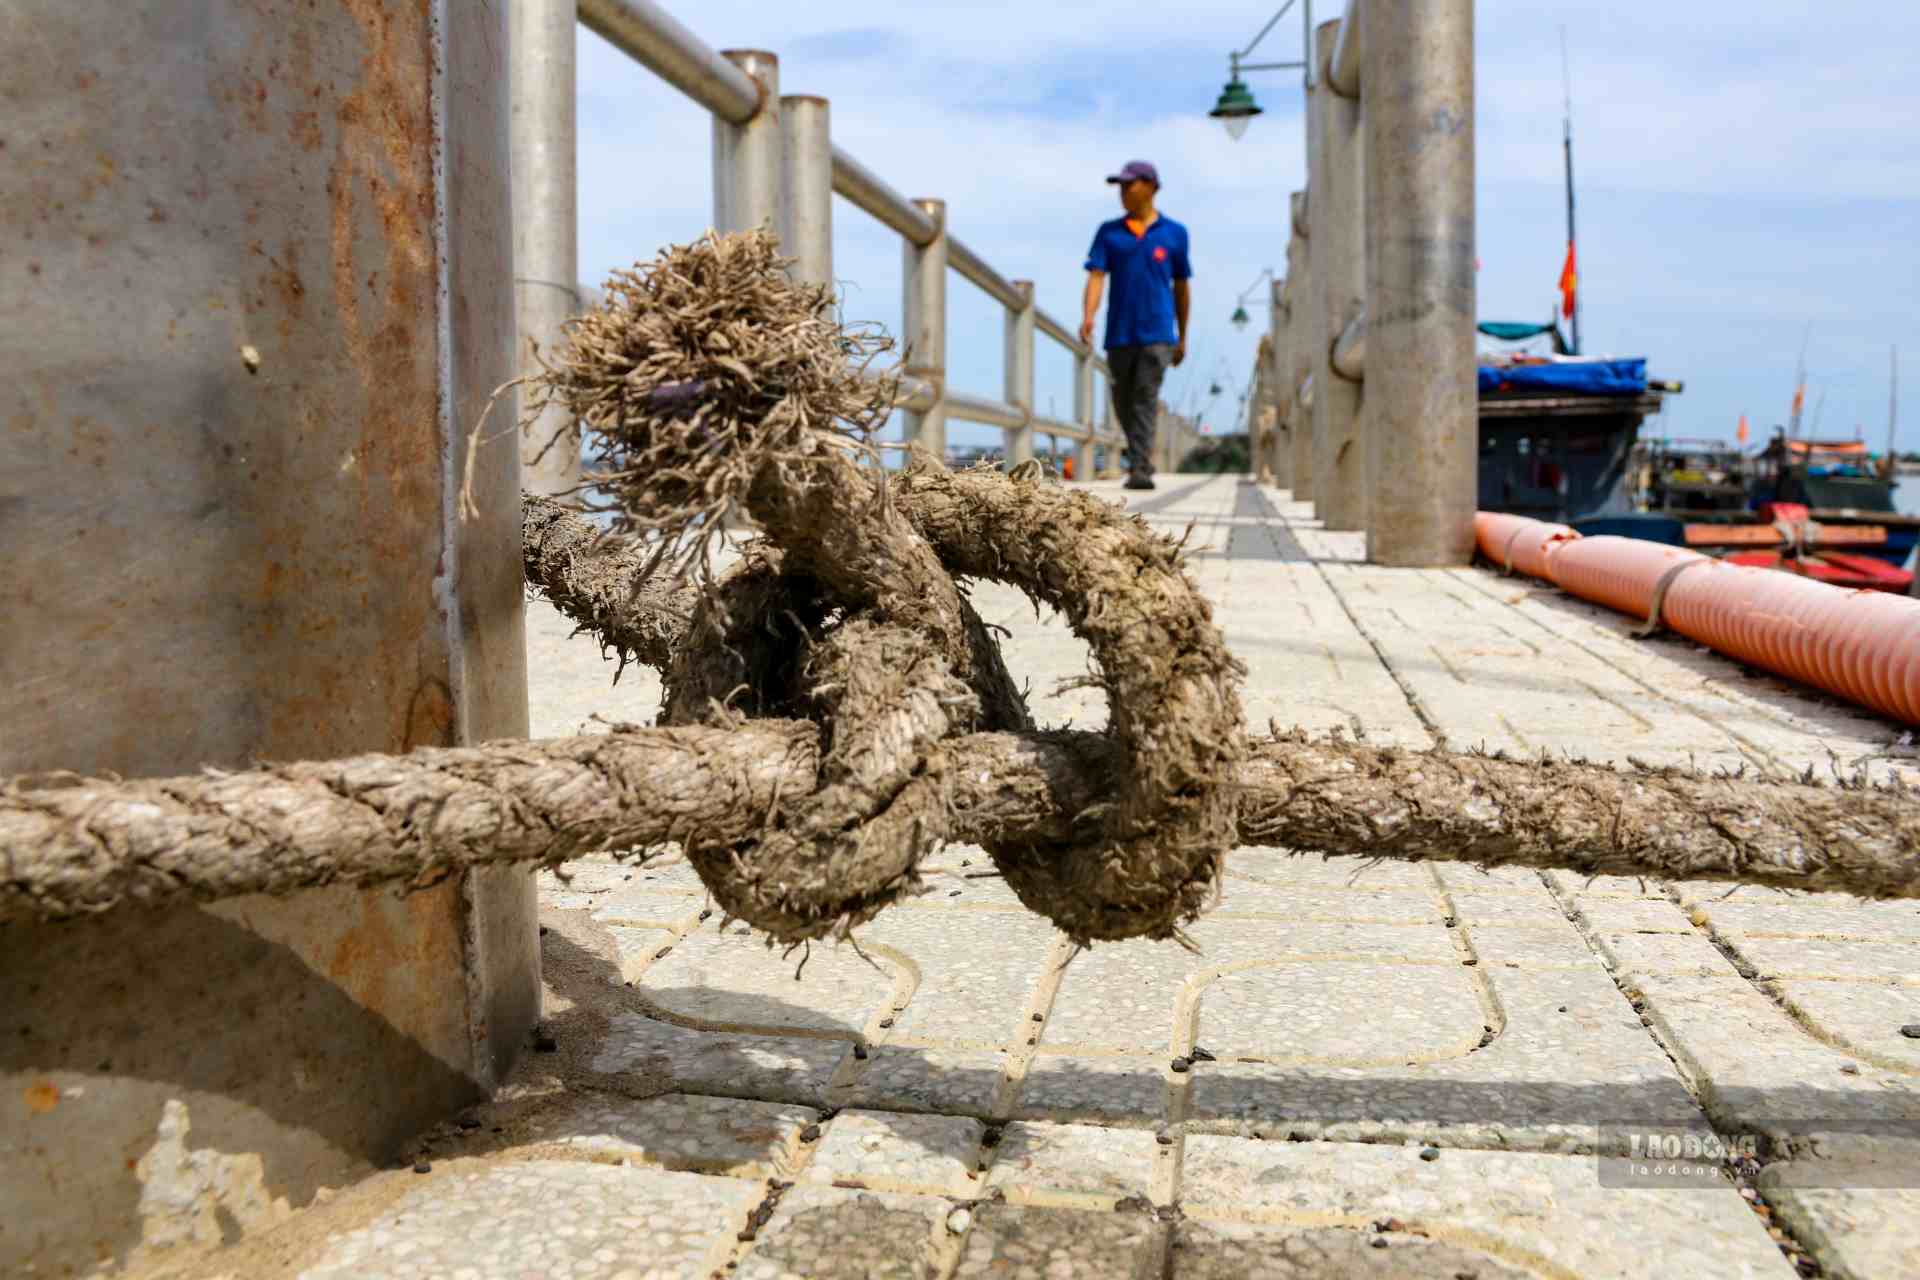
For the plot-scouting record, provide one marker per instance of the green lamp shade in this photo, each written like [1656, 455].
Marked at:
[1236, 107]
[1239, 317]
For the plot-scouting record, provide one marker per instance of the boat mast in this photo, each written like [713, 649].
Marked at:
[1893, 396]
[1566, 82]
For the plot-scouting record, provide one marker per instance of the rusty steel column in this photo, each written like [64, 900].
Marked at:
[1422, 384]
[546, 254]
[1339, 289]
[258, 289]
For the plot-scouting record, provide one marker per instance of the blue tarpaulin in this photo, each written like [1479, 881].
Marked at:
[1569, 377]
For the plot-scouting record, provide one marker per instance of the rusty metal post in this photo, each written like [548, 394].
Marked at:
[746, 157]
[1422, 383]
[259, 290]
[1017, 371]
[546, 254]
[924, 329]
[1339, 290]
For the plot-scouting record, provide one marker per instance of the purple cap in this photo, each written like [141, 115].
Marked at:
[1136, 169]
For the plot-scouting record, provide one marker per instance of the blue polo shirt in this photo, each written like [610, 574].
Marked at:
[1140, 274]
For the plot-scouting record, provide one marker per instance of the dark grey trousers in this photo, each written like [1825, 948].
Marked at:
[1137, 375]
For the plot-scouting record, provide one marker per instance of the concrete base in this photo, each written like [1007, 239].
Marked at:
[180, 1078]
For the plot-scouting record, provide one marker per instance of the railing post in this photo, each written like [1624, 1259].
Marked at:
[1083, 451]
[1300, 341]
[806, 188]
[924, 327]
[1018, 366]
[545, 250]
[1422, 384]
[1339, 278]
[746, 157]
[1279, 363]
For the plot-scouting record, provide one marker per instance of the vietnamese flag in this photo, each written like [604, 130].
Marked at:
[1567, 279]
[1741, 434]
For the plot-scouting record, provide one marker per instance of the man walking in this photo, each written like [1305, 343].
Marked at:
[1146, 255]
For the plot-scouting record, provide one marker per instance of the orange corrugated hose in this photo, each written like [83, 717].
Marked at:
[1862, 645]
[1528, 544]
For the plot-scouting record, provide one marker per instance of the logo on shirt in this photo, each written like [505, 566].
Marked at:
[1159, 253]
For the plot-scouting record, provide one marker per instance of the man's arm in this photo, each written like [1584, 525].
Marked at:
[1090, 305]
[1181, 299]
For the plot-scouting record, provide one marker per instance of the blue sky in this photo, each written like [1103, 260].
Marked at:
[1744, 170]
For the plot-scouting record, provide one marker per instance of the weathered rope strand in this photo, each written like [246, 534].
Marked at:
[72, 846]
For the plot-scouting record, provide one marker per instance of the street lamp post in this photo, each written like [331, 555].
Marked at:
[1240, 317]
[1236, 107]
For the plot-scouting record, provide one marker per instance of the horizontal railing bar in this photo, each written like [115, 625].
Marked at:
[975, 268]
[1059, 427]
[1061, 334]
[914, 393]
[652, 37]
[994, 413]
[865, 190]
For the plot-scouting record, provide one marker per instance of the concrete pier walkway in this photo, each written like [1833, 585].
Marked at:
[1379, 1070]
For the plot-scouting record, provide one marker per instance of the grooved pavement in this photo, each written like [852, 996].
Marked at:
[1362, 1070]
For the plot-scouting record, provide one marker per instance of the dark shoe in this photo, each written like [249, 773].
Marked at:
[1137, 481]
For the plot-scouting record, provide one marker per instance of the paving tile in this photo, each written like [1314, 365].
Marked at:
[1568, 1055]
[950, 884]
[957, 1081]
[1816, 915]
[548, 1218]
[1124, 1089]
[1759, 1069]
[1125, 996]
[774, 1068]
[1571, 884]
[1552, 943]
[891, 1151]
[1859, 1018]
[1072, 1165]
[1855, 1233]
[1540, 910]
[826, 1233]
[1678, 953]
[1234, 1250]
[1311, 870]
[732, 1136]
[1464, 877]
[1009, 1240]
[1347, 1012]
[648, 905]
[1789, 957]
[1312, 901]
[1631, 915]
[1546, 1213]
[736, 980]
[977, 973]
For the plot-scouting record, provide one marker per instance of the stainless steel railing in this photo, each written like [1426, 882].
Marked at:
[760, 177]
